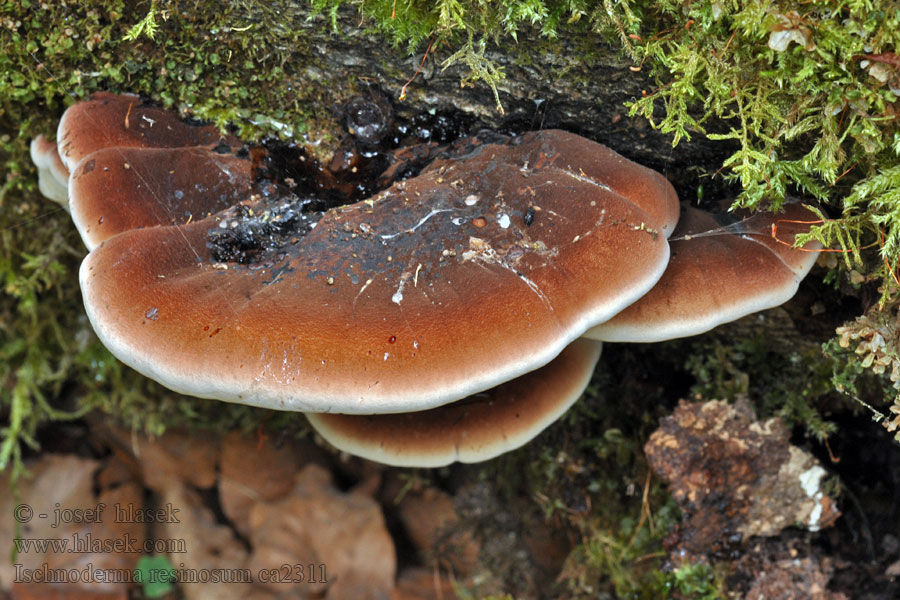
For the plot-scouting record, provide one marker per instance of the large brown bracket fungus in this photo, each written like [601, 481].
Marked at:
[477, 271]
[457, 297]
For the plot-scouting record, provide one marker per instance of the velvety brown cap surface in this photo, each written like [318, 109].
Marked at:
[437, 288]
[116, 189]
[122, 121]
[477, 428]
[716, 277]
[572, 156]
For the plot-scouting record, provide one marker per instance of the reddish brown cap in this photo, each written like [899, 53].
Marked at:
[598, 165]
[472, 274]
[718, 272]
[53, 177]
[116, 189]
[125, 121]
[572, 156]
[475, 429]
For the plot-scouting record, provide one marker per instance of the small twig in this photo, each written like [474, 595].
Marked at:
[645, 514]
[261, 437]
[850, 168]
[834, 459]
[421, 64]
[789, 245]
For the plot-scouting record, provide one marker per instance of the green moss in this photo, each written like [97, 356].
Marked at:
[694, 582]
[789, 380]
[810, 118]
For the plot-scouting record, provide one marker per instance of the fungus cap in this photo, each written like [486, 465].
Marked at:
[125, 121]
[572, 156]
[117, 189]
[717, 274]
[471, 430]
[53, 177]
[477, 271]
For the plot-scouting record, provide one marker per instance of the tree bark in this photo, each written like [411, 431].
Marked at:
[579, 83]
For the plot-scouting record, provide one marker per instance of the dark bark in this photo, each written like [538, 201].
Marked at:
[579, 83]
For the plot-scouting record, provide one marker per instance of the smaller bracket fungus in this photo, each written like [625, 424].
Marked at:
[117, 189]
[53, 176]
[125, 121]
[137, 166]
[718, 272]
[471, 430]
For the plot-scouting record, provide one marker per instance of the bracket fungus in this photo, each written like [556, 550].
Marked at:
[474, 429]
[457, 296]
[433, 290]
[719, 272]
[53, 176]
[117, 189]
[125, 121]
